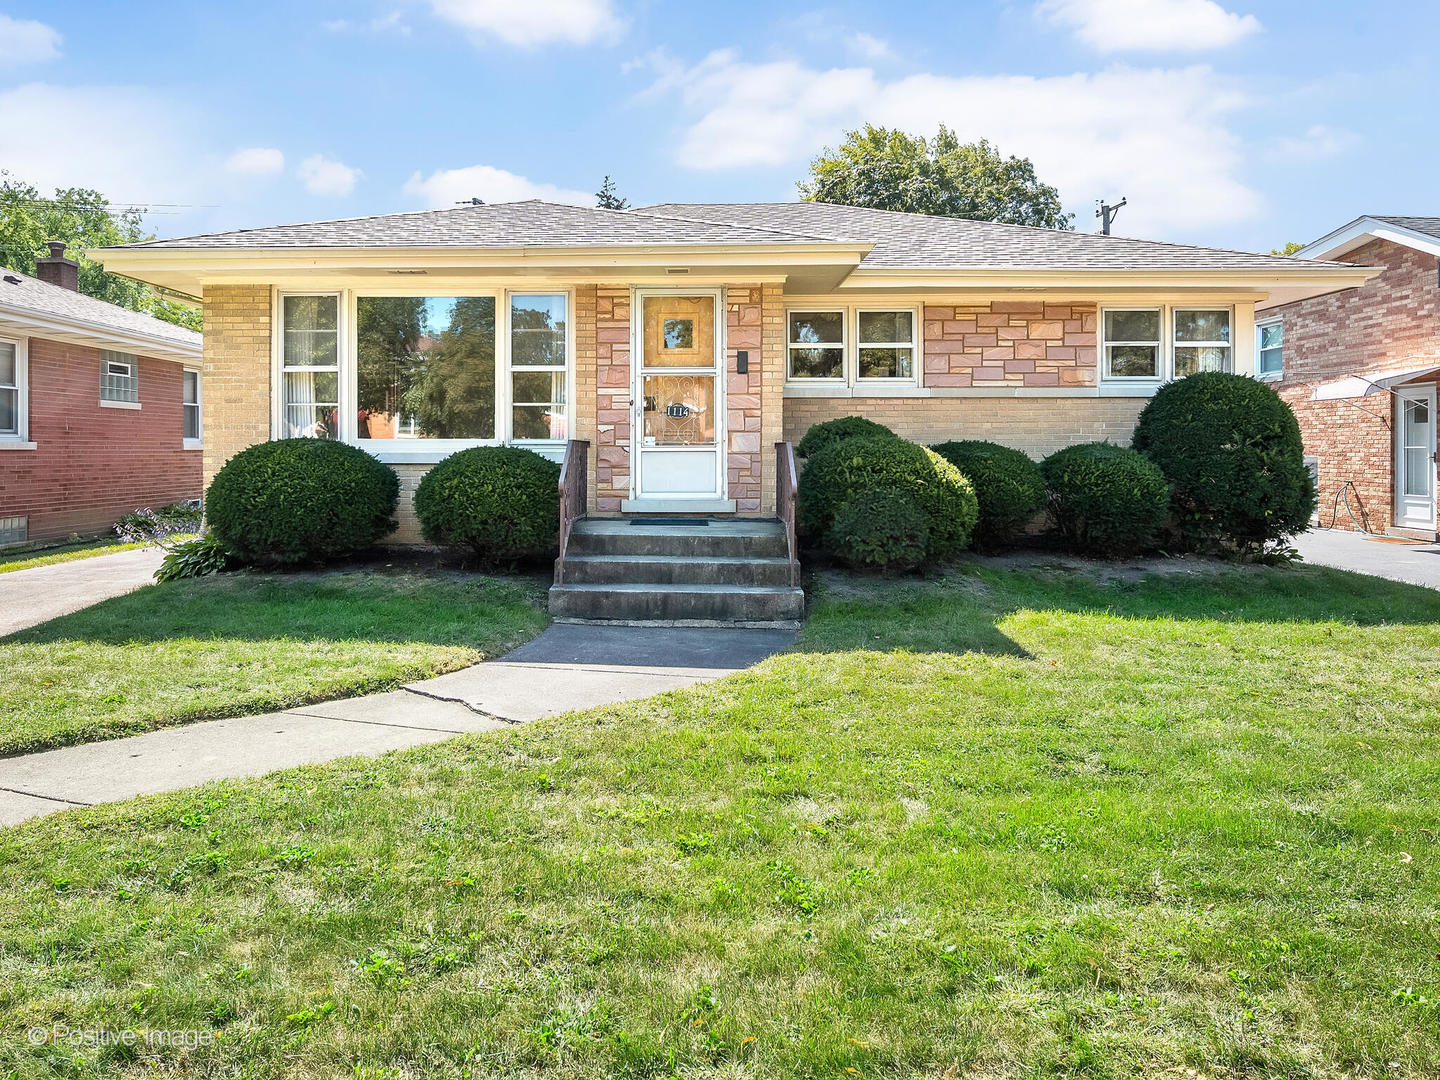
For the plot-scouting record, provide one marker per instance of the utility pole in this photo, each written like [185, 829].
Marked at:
[1107, 213]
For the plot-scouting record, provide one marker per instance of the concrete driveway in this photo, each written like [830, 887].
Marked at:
[30, 597]
[1414, 564]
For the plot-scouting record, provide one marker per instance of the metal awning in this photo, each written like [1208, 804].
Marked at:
[1359, 386]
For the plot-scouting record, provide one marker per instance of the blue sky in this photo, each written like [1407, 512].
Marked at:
[1241, 124]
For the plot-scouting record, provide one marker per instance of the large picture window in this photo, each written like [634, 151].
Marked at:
[538, 348]
[310, 360]
[425, 367]
[1202, 340]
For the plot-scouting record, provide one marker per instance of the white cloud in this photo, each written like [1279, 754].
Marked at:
[26, 41]
[380, 24]
[326, 176]
[127, 156]
[870, 47]
[1318, 142]
[256, 161]
[1149, 25]
[446, 187]
[1158, 137]
[528, 23]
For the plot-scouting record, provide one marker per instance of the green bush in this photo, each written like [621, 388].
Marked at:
[883, 529]
[1231, 450]
[837, 473]
[501, 502]
[1105, 499]
[845, 427]
[194, 558]
[146, 526]
[1007, 484]
[299, 501]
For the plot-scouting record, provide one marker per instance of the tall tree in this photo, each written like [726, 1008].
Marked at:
[82, 218]
[608, 198]
[1289, 249]
[887, 169]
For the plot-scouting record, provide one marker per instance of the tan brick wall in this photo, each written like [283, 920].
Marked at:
[584, 389]
[1038, 426]
[611, 447]
[743, 403]
[1390, 323]
[1011, 343]
[772, 389]
[235, 397]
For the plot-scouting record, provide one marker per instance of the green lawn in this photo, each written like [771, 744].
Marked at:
[26, 560]
[1005, 824]
[236, 644]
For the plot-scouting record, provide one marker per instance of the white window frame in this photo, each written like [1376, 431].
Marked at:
[198, 442]
[843, 379]
[130, 360]
[1260, 327]
[19, 439]
[913, 345]
[345, 422]
[1162, 361]
[507, 355]
[1176, 344]
[851, 345]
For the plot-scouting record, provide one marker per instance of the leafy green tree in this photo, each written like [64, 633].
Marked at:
[80, 217]
[608, 198]
[1288, 249]
[455, 397]
[887, 169]
[387, 332]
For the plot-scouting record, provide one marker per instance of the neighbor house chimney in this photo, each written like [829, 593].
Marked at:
[57, 269]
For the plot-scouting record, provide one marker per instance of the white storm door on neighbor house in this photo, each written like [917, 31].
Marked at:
[1415, 457]
[679, 395]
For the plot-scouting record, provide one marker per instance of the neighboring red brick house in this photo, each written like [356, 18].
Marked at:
[1359, 368]
[99, 408]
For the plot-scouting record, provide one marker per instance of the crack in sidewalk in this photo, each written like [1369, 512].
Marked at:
[459, 701]
[47, 798]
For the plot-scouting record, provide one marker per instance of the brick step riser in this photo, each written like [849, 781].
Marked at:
[759, 546]
[600, 570]
[779, 606]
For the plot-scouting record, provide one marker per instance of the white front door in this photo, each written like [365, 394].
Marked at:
[679, 395]
[1415, 457]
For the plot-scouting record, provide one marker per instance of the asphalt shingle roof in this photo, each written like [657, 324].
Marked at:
[23, 292]
[901, 241]
[1430, 226]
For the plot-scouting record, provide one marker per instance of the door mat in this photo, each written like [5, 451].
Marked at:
[691, 522]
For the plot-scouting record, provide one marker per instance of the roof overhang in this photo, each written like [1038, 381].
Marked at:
[27, 323]
[1360, 232]
[188, 270]
[1359, 386]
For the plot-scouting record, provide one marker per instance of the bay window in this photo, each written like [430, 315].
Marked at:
[310, 366]
[1202, 340]
[887, 345]
[1270, 348]
[538, 350]
[816, 345]
[1132, 343]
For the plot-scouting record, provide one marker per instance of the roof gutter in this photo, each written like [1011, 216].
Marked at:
[96, 335]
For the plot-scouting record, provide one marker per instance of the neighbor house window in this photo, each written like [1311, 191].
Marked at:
[1270, 348]
[1202, 340]
[816, 345]
[190, 405]
[119, 378]
[1132, 343]
[538, 347]
[886, 344]
[310, 366]
[425, 367]
[12, 416]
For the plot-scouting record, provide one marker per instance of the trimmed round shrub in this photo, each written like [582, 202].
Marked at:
[1007, 484]
[502, 502]
[300, 501]
[1105, 499]
[1232, 452]
[837, 473]
[846, 427]
[884, 530]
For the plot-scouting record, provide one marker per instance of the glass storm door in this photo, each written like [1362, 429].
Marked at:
[1415, 457]
[678, 397]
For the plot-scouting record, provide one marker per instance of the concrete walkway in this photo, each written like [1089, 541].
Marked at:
[30, 597]
[1415, 564]
[567, 667]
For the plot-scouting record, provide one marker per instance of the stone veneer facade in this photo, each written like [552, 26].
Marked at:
[1010, 343]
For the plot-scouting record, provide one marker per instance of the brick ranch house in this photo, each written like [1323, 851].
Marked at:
[1360, 370]
[99, 408]
[682, 342]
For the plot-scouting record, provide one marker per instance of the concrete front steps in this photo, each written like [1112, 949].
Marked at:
[710, 571]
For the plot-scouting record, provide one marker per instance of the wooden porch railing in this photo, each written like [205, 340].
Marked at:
[786, 482]
[574, 496]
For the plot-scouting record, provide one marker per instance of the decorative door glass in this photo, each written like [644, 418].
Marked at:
[679, 410]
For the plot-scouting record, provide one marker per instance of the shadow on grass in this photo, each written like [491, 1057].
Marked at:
[961, 610]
